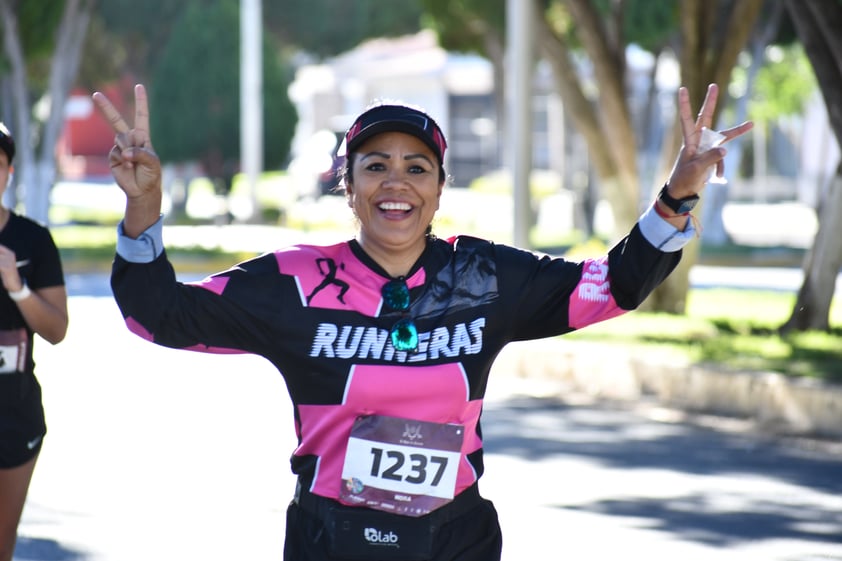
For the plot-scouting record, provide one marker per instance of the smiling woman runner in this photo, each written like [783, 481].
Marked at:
[385, 341]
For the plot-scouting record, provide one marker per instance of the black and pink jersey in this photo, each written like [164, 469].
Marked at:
[316, 313]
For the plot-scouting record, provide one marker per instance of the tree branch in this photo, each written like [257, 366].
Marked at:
[734, 40]
[576, 104]
[810, 21]
[615, 122]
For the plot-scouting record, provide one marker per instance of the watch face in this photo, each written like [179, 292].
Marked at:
[680, 206]
[687, 205]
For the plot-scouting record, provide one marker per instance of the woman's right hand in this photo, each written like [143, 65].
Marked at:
[134, 164]
[9, 274]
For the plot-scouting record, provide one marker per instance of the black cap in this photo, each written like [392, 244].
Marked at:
[7, 143]
[396, 118]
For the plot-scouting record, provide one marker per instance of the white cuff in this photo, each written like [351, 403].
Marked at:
[146, 248]
[662, 234]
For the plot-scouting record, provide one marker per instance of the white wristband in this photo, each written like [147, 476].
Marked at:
[21, 294]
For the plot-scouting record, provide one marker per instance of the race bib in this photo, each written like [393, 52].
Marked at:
[12, 351]
[401, 466]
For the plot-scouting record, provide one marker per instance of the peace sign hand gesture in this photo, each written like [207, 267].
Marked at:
[693, 164]
[134, 164]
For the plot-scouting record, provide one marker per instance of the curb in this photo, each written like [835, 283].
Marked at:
[774, 401]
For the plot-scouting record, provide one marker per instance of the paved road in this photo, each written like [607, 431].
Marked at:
[644, 483]
[171, 455]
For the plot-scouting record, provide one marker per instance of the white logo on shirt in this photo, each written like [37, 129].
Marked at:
[375, 536]
[354, 341]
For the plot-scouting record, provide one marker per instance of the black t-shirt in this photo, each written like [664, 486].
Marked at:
[40, 266]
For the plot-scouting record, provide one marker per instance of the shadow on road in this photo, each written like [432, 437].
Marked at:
[693, 518]
[37, 549]
[723, 487]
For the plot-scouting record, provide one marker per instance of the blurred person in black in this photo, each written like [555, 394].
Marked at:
[33, 300]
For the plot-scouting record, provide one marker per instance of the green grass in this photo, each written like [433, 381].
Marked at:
[88, 248]
[733, 329]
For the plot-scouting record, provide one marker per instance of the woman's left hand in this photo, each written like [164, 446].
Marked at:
[692, 167]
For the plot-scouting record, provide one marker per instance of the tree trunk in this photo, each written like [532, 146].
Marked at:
[812, 307]
[63, 70]
[607, 55]
[25, 156]
[37, 175]
[817, 24]
[716, 195]
[708, 55]
[603, 128]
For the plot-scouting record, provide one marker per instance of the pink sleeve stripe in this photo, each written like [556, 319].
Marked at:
[591, 301]
[135, 327]
[213, 284]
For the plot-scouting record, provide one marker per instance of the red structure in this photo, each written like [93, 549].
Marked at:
[82, 150]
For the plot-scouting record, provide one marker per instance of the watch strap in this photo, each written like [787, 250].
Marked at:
[679, 206]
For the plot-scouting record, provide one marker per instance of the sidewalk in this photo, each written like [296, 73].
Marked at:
[772, 402]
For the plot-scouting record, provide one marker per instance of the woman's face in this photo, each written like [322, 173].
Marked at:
[395, 193]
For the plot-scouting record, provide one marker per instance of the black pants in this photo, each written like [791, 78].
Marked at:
[465, 530]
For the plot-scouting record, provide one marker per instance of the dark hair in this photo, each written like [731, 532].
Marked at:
[7, 143]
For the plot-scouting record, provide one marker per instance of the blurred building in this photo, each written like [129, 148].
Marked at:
[455, 89]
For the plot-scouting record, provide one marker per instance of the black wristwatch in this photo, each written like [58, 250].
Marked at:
[678, 206]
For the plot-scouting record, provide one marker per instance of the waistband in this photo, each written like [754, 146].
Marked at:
[461, 504]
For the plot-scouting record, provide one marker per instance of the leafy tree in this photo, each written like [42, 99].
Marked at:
[120, 44]
[473, 26]
[468, 25]
[594, 34]
[713, 35]
[195, 94]
[783, 85]
[42, 42]
[36, 24]
[330, 27]
[817, 24]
